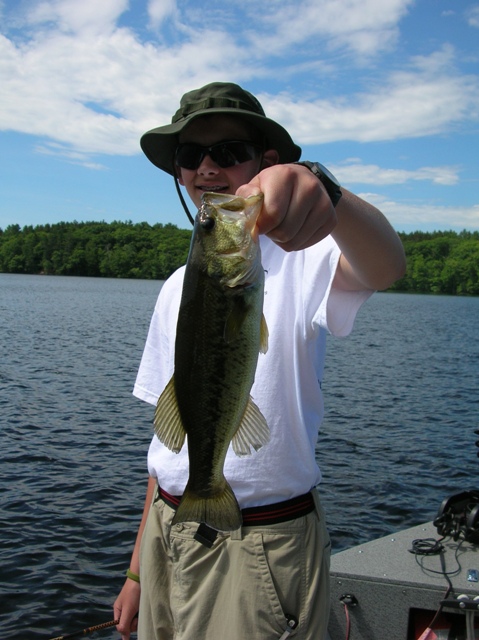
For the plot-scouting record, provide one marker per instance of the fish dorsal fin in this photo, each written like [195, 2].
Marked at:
[252, 432]
[167, 421]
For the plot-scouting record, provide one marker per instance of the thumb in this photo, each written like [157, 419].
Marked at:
[252, 188]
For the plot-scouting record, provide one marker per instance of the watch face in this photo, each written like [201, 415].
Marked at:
[327, 173]
[329, 181]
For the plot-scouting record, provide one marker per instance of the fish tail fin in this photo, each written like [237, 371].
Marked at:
[219, 511]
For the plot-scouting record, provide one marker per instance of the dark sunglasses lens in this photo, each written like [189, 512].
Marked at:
[189, 156]
[224, 154]
[231, 153]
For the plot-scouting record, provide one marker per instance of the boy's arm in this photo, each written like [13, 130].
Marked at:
[297, 213]
[372, 253]
[126, 606]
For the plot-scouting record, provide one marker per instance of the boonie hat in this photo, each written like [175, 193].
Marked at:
[159, 145]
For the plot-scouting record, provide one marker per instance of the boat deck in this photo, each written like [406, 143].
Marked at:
[398, 592]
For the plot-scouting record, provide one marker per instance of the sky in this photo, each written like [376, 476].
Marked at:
[385, 93]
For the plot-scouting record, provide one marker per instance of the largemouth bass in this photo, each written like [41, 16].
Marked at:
[220, 332]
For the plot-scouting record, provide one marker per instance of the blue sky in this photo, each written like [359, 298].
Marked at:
[385, 93]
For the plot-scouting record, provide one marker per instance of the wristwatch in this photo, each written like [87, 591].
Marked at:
[330, 183]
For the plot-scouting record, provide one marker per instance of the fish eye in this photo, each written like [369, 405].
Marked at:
[207, 222]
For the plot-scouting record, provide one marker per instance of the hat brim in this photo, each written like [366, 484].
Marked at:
[159, 144]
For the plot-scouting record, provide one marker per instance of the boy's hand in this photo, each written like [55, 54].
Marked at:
[126, 608]
[297, 212]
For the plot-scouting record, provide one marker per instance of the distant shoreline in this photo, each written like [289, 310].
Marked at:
[439, 262]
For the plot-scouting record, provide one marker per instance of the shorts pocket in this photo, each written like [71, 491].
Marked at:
[281, 566]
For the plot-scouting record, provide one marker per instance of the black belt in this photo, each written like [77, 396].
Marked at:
[260, 516]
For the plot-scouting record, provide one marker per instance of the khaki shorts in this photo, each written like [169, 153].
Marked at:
[247, 586]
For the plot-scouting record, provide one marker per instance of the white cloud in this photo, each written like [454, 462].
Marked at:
[97, 94]
[76, 16]
[406, 216]
[364, 26]
[424, 100]
[92, 87]
[73, 157]
[353, 171]
[45, 87]
[160, 10]
[472, 16]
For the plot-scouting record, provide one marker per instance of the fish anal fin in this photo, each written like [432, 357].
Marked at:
[252, 432]
[167, 421]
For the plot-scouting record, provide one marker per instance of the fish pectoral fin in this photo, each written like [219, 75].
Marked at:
[235, 320]
[264, 336]
[167, 421]
[252, 432]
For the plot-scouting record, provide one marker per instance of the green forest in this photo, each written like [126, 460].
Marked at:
[442, 262]
[98, 249]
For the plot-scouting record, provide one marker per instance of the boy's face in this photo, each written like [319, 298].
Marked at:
[209, 176]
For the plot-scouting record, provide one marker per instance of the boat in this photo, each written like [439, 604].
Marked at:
[420, 583]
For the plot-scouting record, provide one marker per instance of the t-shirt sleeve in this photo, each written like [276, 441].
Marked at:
[332, 309]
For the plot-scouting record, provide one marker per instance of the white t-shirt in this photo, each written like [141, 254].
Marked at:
[300, 307]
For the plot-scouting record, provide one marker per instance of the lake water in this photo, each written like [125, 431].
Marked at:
[402, 404]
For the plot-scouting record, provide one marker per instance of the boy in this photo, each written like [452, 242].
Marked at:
[324, 251]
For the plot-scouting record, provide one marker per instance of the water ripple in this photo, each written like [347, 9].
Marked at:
[401, 405]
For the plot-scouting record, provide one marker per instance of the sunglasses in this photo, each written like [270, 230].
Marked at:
[224, 154]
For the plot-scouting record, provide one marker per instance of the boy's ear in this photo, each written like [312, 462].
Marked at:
[178, 175]
[270, 158]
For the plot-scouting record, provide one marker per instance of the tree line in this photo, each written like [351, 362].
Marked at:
[443, 262]
[98, 249]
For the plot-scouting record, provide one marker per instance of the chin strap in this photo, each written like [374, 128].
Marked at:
[182, 200]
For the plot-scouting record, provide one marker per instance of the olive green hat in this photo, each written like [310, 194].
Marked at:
[159, 144]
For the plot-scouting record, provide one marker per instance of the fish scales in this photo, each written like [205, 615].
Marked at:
[220, 332]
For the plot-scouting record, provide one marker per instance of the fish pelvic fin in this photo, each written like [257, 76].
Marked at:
[219, 511]
[252, 432]
[167, 421]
